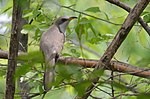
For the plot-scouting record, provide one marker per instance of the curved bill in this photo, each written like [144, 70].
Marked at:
[72, 18]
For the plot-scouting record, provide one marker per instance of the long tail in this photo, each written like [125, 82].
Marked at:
[49, 74]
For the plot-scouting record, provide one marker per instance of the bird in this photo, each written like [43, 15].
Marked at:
[51, 45]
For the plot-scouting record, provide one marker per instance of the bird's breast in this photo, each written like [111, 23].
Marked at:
[52, 40]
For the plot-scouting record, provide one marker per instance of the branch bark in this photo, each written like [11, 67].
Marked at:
[115, 66]
[104, 61]
[89, 63]
[128, 9]
[13, 51]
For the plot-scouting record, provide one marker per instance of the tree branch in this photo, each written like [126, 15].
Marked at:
[87, 63]
[116, 66]
[128, 9]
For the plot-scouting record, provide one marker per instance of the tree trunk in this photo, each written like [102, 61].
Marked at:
[13, 50]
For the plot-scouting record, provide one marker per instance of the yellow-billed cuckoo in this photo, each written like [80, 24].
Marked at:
[51, 44]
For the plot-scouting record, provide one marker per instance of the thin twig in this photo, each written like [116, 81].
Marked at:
[95, 97]
[91, 16]
[112, 84]
[103, 91]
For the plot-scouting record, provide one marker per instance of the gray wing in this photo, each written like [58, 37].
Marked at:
[52, 42]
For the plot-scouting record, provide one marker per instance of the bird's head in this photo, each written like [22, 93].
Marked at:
[62, 22]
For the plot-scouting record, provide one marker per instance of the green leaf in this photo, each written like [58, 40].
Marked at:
[143, 61]
[58, 81]
[63, 71]
[75, 53]
[81, 87]
[95, 40]
[34, 57]
[41, 89]
[79, 18]
[107, 17]
[37, 34]
[85, 21]
[92, 28]
[40, 18]
[7, 6]
[144, 96]
[147, 18]
[120, 86]
[68, 72]
[73, 50]
[28, 61]
[96, 73]
[79, 30]
[28, 28]
[144, 13]
[23, 69]
[36, 13]
[27, 13]
[66, 54]
[59, 93]
[93, 9]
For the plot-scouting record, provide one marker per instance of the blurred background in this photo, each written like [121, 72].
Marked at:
[87, 37]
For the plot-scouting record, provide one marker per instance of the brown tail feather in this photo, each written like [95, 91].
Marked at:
[49, 74]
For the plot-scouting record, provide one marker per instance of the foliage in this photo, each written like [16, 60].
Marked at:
[93, 34]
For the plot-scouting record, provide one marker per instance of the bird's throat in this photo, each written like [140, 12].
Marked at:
[62, 27]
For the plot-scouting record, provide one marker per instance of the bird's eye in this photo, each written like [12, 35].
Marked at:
[63, 20]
